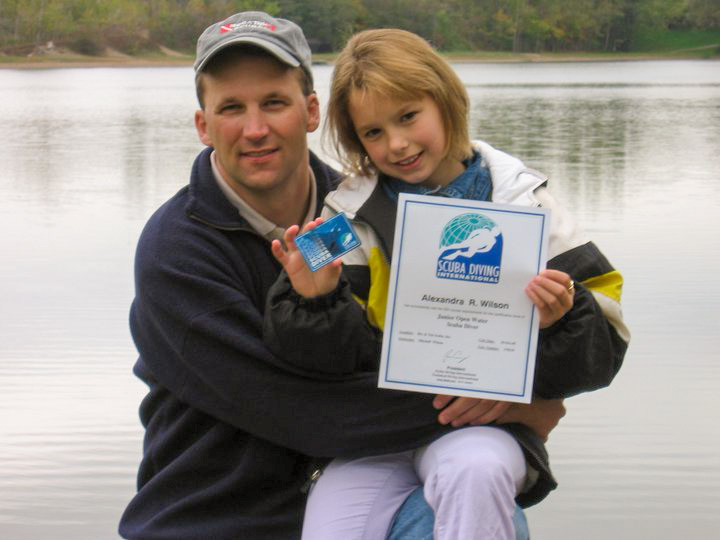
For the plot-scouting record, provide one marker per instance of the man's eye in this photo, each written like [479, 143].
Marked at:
[230, 107]
[274, 103]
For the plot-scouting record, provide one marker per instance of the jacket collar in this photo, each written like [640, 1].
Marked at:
[381, 211]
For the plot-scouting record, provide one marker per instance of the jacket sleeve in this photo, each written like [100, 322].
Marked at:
[585, 349]
[325, 335]
[579, 353]
[197, 321]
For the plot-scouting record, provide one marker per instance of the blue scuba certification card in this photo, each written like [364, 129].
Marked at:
[327, 242]
[458, 320]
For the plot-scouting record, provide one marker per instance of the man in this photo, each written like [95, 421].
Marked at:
[233, 435]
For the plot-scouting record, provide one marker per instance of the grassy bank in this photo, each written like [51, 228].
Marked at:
[667, 41]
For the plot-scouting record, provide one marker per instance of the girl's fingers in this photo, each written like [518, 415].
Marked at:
[551, 293]
[541, 297]
[290, 235]
[556, 276]
[278, 251]
[310, 225]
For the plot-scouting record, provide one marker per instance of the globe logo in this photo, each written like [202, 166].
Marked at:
[470, 249]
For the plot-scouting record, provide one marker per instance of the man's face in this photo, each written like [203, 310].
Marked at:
[257, 119]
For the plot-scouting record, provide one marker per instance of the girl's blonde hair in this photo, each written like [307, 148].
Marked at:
[398, 65]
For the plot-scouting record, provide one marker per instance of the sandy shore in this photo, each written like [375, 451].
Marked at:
[78, 61]
[119, 60]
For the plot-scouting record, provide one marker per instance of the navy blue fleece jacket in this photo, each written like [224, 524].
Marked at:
[231, 431]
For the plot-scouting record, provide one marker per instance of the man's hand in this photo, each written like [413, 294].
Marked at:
[542, 415]
[459, 411]
[306, 283]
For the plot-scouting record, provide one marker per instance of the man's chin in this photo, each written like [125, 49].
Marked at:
[264, 181]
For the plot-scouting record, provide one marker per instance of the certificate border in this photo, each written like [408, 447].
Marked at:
[477, 205]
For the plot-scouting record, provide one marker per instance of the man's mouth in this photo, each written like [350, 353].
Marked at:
[258, 153]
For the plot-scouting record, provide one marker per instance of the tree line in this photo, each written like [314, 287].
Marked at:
[138, 26]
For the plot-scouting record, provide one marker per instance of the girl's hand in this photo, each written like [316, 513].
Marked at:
[459, 411]
[553, 293]
[306, 283]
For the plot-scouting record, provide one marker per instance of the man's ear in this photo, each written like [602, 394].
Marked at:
[201, 127]
[313, 107]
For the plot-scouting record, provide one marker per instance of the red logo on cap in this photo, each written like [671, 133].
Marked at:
[257, 24]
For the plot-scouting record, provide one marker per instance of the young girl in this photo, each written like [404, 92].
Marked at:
[398, 118]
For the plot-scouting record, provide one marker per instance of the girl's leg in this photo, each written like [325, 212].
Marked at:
[415, 520]
[357, 499]
[471, 478]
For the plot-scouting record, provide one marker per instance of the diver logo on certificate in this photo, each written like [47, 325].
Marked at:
[470, 249]
[458, 320]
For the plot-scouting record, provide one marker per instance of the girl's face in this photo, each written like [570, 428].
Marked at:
[405, 139]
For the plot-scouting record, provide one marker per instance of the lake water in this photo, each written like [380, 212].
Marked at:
[632, 148]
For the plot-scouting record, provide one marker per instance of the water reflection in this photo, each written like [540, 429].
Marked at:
[633, 149]
[581, 144]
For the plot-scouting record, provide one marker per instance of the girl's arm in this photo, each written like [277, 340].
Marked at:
[311, 319]
[305, 282]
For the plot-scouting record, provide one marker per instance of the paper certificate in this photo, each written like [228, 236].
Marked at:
[458, 320]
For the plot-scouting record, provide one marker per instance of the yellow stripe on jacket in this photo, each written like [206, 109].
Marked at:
[609, 284]
[379, 285]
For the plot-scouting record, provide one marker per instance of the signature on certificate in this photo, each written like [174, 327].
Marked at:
[455, 356]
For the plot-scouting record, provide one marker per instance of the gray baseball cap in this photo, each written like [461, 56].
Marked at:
[283, 38]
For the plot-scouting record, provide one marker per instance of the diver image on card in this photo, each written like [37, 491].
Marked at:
[327, 242]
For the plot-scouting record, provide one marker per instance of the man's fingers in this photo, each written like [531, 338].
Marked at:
[495, 412]
[441, 401]
[453, 411]
[463, 409]
[481, 413]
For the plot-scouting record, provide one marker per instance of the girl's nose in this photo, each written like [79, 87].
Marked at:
[398, 142]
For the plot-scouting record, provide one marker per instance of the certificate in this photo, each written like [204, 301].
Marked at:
[458, 320]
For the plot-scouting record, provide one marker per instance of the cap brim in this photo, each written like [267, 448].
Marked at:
[275, 50]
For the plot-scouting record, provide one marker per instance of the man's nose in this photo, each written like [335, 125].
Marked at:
[255, 126]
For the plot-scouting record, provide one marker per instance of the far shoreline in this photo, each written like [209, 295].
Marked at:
[66, 61]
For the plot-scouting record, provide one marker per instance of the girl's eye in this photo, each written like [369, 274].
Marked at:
[371, 133]
[408, 116]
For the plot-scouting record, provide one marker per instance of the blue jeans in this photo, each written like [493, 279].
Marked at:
[415, 519]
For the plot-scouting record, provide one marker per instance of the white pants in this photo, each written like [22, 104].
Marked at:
[470, 476]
